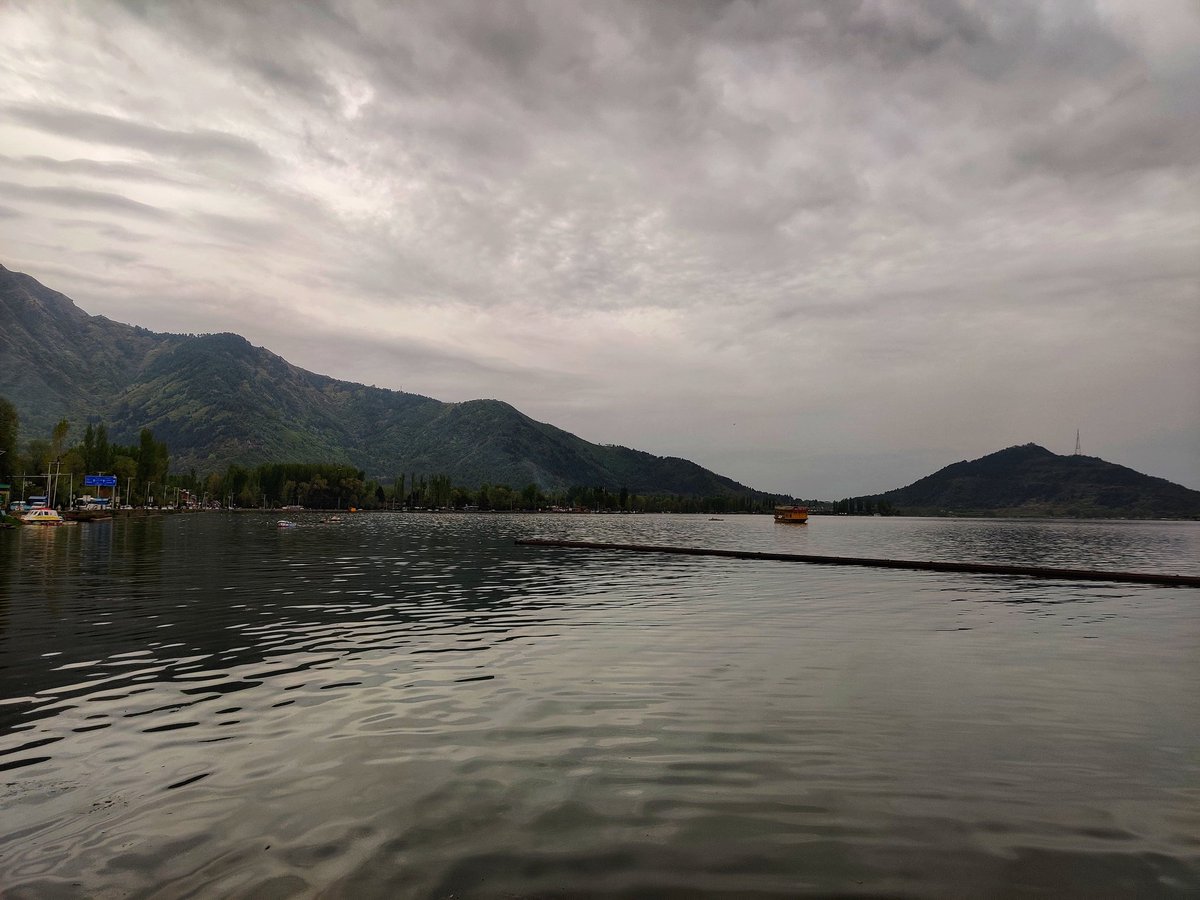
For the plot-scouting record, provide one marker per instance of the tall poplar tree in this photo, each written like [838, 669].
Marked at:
[9, 423]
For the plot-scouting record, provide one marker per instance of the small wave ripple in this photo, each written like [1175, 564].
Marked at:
[410, 705]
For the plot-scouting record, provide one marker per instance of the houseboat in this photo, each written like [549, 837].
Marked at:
[797, 515]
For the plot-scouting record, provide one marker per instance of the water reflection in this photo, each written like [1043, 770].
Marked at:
[395, 705]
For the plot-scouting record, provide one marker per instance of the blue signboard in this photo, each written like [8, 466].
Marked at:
[100, 480]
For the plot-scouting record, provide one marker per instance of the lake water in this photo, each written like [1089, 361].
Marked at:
[411, 706]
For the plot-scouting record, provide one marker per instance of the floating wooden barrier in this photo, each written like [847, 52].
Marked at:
[925, 565]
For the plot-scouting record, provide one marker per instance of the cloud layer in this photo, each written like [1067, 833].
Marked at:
[820, 247]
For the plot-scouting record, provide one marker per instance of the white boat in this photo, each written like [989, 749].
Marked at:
[285, 523]
[42, 515]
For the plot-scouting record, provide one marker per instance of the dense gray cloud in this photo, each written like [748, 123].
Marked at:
[819, 247]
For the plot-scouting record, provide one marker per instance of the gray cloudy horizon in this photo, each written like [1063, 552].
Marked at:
[821, 248]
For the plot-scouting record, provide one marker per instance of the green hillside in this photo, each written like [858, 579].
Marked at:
[1032, 481]
[56, 361]
[215, 399]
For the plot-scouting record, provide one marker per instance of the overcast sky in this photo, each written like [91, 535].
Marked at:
[822, 248]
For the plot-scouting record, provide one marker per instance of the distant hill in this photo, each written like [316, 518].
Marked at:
[1032, 481]
[216, 399]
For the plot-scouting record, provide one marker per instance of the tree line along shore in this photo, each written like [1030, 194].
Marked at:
[143, 478]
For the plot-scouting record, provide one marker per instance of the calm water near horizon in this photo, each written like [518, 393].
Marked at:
[400, 705]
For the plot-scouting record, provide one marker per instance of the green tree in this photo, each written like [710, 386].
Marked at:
[529, 496]
[72, 464]
[440, 490]
[124, 468]
[9, 423]
[87, 448]
[146, 467]
[102, 459]
[37, 455]
[58, 439]
[214, 487]
[237, 480]
[502, 497]
[162, 461]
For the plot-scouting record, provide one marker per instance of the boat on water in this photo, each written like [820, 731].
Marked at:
[87, 515]
[285, 523]
[42, 515]
[797, 515]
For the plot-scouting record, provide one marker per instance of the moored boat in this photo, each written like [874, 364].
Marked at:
[797, 515]
[87, 515]
[42, 515]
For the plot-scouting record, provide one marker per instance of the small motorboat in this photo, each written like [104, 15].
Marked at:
[42, 515]
[286, 523]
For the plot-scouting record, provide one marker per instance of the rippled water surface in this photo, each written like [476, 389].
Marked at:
[410, 705]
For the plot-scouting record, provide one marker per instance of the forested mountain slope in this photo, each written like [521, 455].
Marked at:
[1030, 480]
[216, 399]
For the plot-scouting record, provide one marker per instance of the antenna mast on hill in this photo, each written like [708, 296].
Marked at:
[1078, 450]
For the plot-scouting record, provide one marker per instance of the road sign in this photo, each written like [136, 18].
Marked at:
[100, 480]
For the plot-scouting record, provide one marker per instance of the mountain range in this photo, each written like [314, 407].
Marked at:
[215, 399]
[1032, 481]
